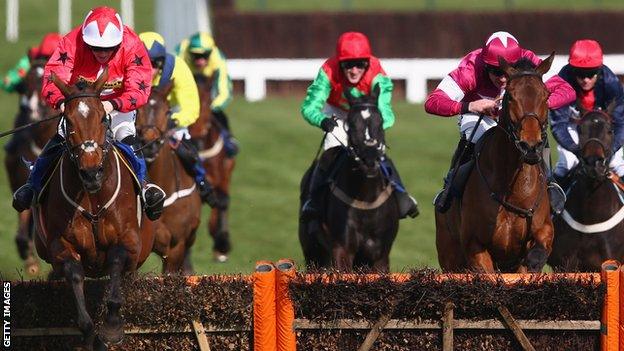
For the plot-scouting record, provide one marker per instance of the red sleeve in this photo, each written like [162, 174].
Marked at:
[137, 81]
[62, 64]
[438, 103]
[561, 93]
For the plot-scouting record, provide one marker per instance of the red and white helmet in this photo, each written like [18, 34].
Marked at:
[102, 28]
[501, 44]
[586, 53]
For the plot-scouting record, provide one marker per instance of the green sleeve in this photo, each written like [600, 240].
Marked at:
[13, 77]
[318, 92]
[384, 99]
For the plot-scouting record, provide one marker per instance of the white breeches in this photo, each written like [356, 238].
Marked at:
[467, 122]
[122, 125]
[339, 135]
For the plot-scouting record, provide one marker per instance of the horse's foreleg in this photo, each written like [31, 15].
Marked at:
[539, 249]
[25, 244]
[74, 275]
[112, 330]
[478, 257]
[341, 259]
[218, 228]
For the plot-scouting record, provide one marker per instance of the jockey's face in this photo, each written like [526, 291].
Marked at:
[354, 70]
[497, 76]
[586, 79]
[200, 60]
[157, 65]
[102, 55]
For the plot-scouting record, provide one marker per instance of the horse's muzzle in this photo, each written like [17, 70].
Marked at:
[92, 178]
[531, 155]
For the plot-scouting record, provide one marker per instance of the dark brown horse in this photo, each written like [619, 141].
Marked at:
[28, 145]
[589, 231]
[206, 132]
[175, 230]
[359, 213]
[503, 220]
[89, 219]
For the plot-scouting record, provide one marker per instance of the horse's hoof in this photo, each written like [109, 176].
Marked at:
[111, 334]
[220, 257]
[32, 266]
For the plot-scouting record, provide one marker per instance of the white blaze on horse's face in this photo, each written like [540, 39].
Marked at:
[33, 106]
[152, 102]
[89, 146]
[365, 113]
[39, 71]
[83, 109]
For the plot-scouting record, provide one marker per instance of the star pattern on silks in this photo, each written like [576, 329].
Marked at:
[48, 94]
[62, 57]
[138, 60]
[142, 86]
[49, 79]
[133, 101]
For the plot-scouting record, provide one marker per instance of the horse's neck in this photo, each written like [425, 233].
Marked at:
[501, 161]
[167, 171]
[356, 184]
[588, 195]
[109, 185]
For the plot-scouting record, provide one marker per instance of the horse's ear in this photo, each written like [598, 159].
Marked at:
[544, 66]
[375, 92]
[611, 107]
[350, 98]
[506, 67]
[168, 87]
[60, 84]
[99, 83]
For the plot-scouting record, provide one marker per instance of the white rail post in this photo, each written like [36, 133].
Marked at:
[12, 20]
[127, 12]
[64, 16]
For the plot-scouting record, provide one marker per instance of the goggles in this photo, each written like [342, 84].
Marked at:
[586, 73]
[361, 64]
[203, 55]
[158, 63]
[496, 71]
[101, 49]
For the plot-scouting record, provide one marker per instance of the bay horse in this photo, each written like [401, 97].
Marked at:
[176, 228]
[503, 220]
[88, 217]
[206, 134]
[359, 214]
[27, 146]
[589, 231]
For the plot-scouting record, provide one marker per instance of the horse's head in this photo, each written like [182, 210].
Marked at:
[595, 141]
[365, 130]
[525, 107]
[32, 102]
[86, 127]
[152, 120]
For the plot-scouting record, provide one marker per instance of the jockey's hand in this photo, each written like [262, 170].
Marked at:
[484, 106]
[62, 107]
[108, 107]
[172, 123]
[328, 124]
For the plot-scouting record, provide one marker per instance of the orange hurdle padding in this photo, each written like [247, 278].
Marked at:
[286, 339]
[621, 321]
[609, 325]
[264, 306]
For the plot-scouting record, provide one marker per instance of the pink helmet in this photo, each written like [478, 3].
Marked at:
[102, 28]
[501, 44]
[586, 53]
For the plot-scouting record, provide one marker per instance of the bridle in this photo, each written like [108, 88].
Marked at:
[353, 150]
[605, 148]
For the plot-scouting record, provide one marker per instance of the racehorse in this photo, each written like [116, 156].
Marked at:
[206, 133]
[503, 220]
[589, 229]
[359, 215]
[89, 218]
[28, 146]
[176, 228]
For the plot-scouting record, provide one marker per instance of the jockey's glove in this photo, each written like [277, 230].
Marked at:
[108, 107]
[328, 124]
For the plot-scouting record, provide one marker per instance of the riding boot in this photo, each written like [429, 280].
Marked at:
[408, 206]
[24, 195]
[320, 178]
[442, 200]
[193, 165]
[152, 195]
[229, 142]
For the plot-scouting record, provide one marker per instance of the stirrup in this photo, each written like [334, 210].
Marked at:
[154, 198]
[441, 201]
[557, 198]
[308, 212]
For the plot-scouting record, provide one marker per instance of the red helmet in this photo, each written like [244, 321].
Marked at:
[353, 45]
[501, 44]
[102, 28]
[46, 47]
[586, 53]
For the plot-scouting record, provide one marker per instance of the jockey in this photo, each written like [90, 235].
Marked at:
[596, 87]
[101, 41]
[475, 87]
[13, 78]
[184, 101]
[204, 57]
[355, 68]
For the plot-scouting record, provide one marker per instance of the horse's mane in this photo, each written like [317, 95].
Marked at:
[524, 64]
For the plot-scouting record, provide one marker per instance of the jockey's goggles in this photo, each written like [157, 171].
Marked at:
[361, 64]
[101, 49]
[494, 70]
[200, 55]
[586, 72]
[158, 63]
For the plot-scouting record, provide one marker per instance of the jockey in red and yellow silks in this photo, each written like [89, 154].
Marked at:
[475, 88]
[353, 67]
[102, 41]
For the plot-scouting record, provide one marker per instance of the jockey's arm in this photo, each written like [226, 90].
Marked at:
[447, 99]
[385, 98]
[184, 94]
[316, 96]
[614, 94]
[137, 80]
[16, 74]
[561, 93]
[221, 82]
[559, 120]
[62, 64]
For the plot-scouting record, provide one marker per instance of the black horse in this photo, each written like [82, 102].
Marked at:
[359, 214]
[589, 231]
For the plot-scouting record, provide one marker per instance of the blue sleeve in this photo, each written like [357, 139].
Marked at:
[559, 120]
[615, 93]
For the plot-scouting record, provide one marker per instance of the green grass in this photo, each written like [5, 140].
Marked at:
[420, 5]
